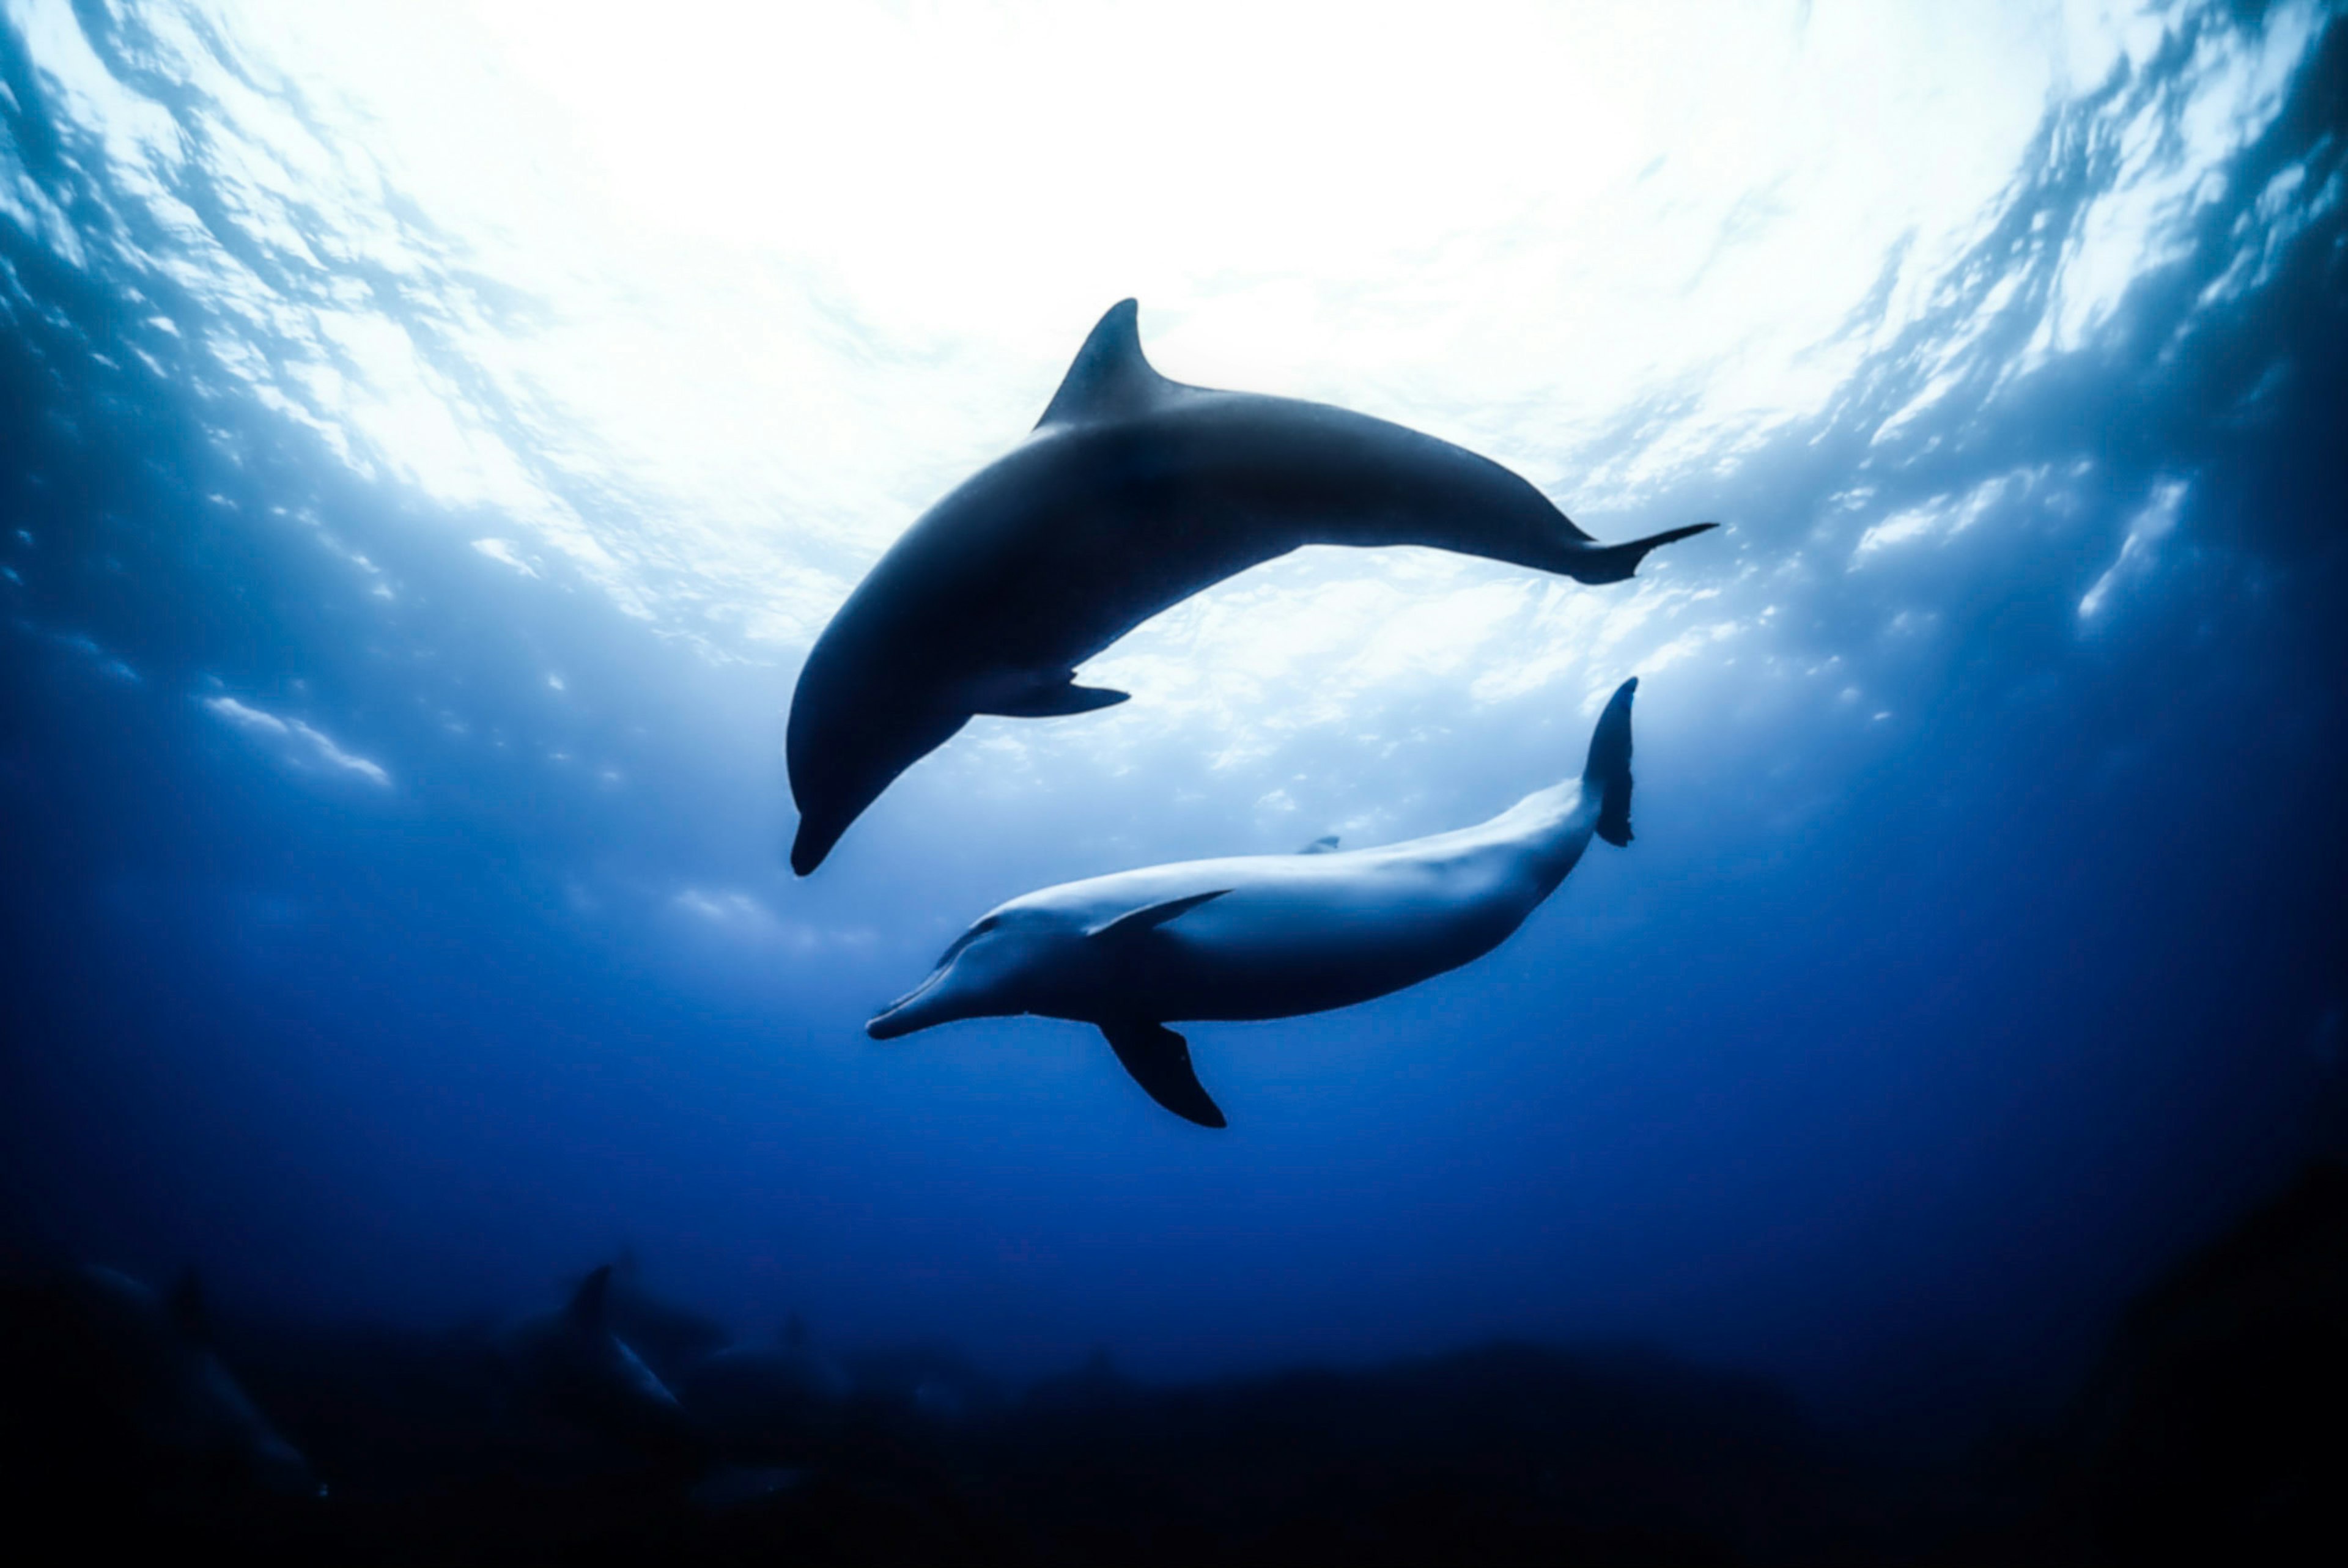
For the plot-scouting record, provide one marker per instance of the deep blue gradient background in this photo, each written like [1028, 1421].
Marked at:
[1892, 1057]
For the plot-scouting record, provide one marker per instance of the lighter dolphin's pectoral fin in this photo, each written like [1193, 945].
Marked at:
[1109, 378]
[1149, 917]
[1053, 701]
[1325, 844]
[1159, 1060]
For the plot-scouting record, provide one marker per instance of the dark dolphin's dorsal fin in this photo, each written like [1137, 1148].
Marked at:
[1149, 917]
[1320, 846]
[185, 1306]
[587, 1302]
[1109, 378]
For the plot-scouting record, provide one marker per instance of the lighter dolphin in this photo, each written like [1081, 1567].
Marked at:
[1132, 494]
[1270, 936]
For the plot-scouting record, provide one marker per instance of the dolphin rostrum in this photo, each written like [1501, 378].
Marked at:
[1270, 936]
[1132, 494]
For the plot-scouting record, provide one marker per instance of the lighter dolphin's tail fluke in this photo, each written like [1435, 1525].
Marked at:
[1609, 769]
[1599, 564]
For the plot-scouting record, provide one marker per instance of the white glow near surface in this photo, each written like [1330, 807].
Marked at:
[2152, 524]
[809, 263]
[318, 746]
[796, 269]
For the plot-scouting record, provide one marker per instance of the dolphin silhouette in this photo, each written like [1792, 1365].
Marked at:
[573, 1366]
[1270, 936]
[1132, 494]
[148, 1361]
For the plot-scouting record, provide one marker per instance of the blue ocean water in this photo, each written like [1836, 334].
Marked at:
[397, 922]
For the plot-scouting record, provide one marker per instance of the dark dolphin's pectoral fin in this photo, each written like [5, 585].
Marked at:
[1159, 1060]
[1053, 702]
[1149, 917]
[1109, 378]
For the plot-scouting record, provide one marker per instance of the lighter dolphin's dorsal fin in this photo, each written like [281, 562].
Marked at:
[586, 1308]
[1149, 917]
[1324, 844]
[1109, 378]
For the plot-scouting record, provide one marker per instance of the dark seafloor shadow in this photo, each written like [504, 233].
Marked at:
[2209, 1434]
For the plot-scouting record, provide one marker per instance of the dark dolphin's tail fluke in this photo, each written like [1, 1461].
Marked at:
[1609, 770]
[1596, 564]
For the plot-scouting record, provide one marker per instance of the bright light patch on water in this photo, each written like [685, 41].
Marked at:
[315, 744]
[796, 269]
[2139, 550]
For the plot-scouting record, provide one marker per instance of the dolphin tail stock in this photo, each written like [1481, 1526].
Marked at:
[1598, 564]
[1609, 769]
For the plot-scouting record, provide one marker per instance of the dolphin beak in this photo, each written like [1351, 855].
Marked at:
[926, 1004]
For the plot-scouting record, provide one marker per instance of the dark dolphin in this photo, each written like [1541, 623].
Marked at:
[1132, 494]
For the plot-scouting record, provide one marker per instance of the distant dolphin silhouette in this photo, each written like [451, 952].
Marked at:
[667, 1337]
[1132, 494]
[1270, 936]
[574, 1367]
[151, 1359]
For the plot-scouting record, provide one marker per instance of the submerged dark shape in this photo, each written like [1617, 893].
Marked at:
[764, 1402]
[2211, 1431]
[1132, 494]
[1270, 936]
[137, 1376]
[668, 1337]
[572, 1366]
